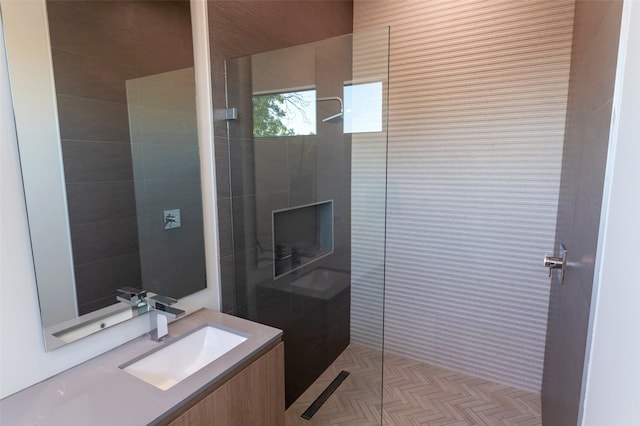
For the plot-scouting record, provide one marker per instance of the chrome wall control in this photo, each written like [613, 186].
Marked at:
[560, 262]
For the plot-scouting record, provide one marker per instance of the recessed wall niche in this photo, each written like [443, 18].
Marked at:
[301, 235]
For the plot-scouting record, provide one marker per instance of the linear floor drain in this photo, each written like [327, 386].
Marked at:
[315, 406]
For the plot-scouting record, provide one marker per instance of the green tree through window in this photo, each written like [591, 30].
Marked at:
[283, 114]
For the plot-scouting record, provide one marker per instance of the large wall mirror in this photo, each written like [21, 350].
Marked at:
[109, 154]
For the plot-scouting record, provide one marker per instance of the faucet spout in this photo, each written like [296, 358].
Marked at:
[159, 314]
[171, 313]
[135, 297]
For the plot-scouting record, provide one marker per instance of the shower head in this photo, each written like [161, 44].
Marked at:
[335, 118]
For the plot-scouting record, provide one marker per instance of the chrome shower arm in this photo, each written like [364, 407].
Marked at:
[332, 98]
[337, 116]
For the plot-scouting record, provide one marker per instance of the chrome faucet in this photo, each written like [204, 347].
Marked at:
[135, 297]
[159, 313]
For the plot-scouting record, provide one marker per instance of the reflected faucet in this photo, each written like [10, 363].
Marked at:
[159, 313]
[295, 257]
[135, 297]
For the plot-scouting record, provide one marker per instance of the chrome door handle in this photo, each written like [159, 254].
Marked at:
[552, 262]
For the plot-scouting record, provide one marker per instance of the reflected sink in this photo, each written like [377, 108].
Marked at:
[180, 359]
[321, 283]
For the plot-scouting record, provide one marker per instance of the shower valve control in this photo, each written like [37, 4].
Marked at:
[560, 262]
[171, 219]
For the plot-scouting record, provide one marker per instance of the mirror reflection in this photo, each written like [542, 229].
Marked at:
[125, 94]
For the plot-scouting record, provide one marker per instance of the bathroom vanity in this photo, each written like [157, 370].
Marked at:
[244, 385]
[254, 396]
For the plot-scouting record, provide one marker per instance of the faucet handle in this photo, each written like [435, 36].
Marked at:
[160, 304]
[159, 301]
[132, 296]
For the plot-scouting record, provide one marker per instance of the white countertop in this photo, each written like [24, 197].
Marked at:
[98, 392]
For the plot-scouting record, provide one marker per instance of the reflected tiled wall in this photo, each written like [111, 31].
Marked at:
[166, 167]
[96, 46]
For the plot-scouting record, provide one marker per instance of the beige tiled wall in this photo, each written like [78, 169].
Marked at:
[477, 98]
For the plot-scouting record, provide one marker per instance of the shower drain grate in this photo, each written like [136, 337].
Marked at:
[324, 396]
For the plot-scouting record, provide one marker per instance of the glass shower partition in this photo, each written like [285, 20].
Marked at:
[307, 135]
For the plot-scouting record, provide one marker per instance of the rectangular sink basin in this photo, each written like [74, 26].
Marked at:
[180, 359]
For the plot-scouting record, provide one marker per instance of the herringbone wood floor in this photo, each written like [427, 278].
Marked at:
[414, 394]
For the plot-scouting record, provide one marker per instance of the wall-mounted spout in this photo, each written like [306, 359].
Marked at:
[335, 118]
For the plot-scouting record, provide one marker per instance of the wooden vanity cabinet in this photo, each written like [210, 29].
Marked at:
[254, 396]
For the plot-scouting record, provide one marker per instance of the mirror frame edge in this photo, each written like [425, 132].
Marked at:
[31, 77]
[210, 297]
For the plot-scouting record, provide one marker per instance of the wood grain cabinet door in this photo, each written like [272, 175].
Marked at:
[255, 396]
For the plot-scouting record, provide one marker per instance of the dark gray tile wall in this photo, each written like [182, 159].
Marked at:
[228, 292]
[191, 229]
[592, 76]
[166, 164]
[173, 190]
[88, 161]
[96, 47]
[223, 179]
[95, 281]
[175, 269]
[333, 147]
[241, 153]
[92, 120]
[242, 28]
[171, 161]
[302, 152]
[274, 173]
[271, 173]
[225, 226]
[100, 201]
[296, 225]
[80, 27]
[82, 76]
[102, 240]
[244, 223]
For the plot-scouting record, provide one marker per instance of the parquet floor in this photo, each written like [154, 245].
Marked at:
[415, 394]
